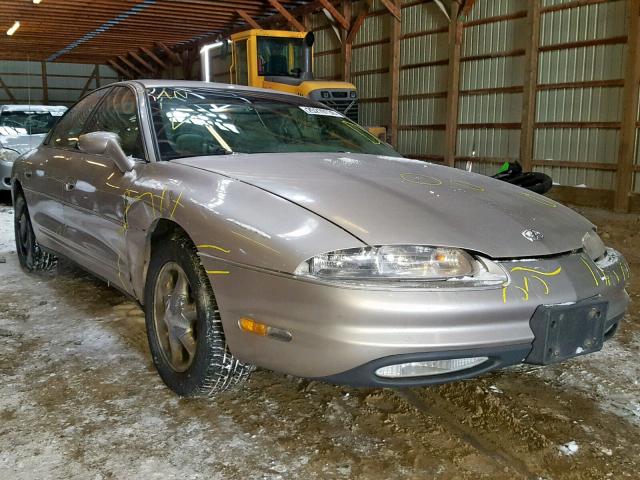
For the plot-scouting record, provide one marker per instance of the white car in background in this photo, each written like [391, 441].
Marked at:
[22, 128]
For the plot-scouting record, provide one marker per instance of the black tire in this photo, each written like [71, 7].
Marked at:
[32, 257]
[212, 369]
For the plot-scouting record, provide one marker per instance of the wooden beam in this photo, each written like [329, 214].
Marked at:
[170, 53]
[453, 91]
[153, 57]
[118, 68]
[626, 152]
[393, 9]
[142, 61]
[337, 16]
[468, 5]
[346, 44]
[45, 83]
[247, 18]
[530, 89]
[287, 16]
[7, 91]
[85, 89]
[357, 24]
[130, 65]
[394, 104]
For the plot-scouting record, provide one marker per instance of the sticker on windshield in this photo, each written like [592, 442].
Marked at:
[325, 112]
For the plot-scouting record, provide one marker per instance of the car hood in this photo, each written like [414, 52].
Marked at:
[389, 200]
[15, 140]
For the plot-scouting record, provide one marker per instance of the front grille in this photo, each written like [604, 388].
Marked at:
[348, 107]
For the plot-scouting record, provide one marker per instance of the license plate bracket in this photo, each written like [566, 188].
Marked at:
[566, 331]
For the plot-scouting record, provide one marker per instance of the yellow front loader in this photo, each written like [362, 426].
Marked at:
[279, 60]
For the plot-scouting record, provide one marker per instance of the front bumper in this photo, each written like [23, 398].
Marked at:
[338, 331]
[5, 175]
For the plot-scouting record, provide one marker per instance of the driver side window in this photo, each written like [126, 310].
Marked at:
[118, 113]
[66, 132]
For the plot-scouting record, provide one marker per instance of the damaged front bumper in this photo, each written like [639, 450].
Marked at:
[345, 335]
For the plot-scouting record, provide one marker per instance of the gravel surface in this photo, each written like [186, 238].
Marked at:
[79, 399]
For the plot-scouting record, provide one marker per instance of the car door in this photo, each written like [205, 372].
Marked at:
[96, 187]
[46, 173]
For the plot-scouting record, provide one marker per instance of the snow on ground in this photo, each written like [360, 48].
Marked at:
[79, 399]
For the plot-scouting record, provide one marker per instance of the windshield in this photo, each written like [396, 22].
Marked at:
[27, 122]
[195, 122]
[279, 57]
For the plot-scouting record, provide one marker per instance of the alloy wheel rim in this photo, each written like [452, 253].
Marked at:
[25, 237]
[175, 317]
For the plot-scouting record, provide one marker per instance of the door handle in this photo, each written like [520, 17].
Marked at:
[70, 185]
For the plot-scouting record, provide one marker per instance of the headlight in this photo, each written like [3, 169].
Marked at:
[8, 155]
[593, 245]
[402, 266]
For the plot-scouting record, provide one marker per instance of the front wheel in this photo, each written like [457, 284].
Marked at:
[31, 256]
[184, 327]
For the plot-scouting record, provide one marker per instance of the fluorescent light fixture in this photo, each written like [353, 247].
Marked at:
[204, 59]
[13, 28]
[37, 1]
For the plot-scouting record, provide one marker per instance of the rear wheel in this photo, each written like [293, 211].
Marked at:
[32, 257]
[184, 327]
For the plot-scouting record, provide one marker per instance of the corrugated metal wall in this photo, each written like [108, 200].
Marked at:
[579, 92]
[64, 82]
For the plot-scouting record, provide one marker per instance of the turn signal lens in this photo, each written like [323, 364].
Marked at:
[251, 326]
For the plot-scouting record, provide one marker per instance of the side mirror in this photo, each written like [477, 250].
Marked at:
[107, 144]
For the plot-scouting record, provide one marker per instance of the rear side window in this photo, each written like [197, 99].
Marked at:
[65, 133]
[118, 113]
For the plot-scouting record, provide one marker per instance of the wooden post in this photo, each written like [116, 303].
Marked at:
[394, 104]
[45, 83]
[346, 44]
[530, 88]
[453, 91]
[626, 154]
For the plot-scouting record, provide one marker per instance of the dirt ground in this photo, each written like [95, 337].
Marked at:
[79, 398]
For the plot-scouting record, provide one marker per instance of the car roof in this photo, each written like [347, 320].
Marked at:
[208, 85]
[33, 108]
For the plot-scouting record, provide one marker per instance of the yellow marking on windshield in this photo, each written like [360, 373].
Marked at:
[363, 133]
[218, 137]
[214, 247]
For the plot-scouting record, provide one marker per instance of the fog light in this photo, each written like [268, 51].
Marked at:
[435, 367]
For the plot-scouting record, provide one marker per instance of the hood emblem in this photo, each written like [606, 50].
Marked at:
[532, 235]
